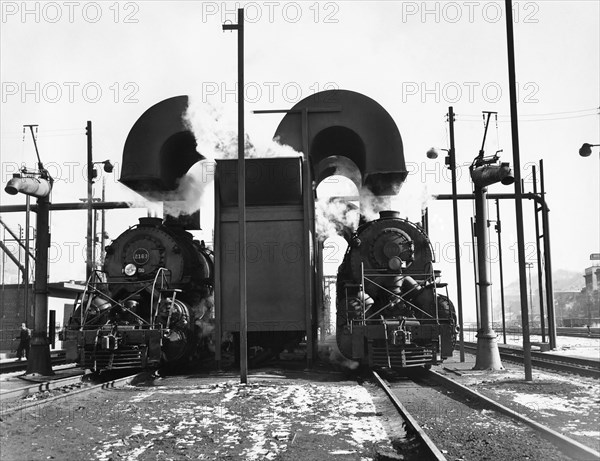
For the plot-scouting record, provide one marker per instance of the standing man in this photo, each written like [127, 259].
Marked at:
[25, 338]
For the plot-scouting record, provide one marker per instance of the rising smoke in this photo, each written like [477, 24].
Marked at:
[216, 136]
[412, 201]
[335, 216]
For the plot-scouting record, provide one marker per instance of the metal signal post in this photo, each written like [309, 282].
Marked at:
[241, 197]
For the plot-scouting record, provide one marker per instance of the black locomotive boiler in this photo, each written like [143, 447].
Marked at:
[151, 304]
[389, 310]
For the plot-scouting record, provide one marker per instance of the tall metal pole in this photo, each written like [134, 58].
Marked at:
[94, 238]
[548, 263]
[90, 178]
[242, 203]
[529, 265]
[514, 121]
[475, 272]
[103, 217]
[499, 231]
[39, 354]
[241, 197]
[488, 355]
[27, 225]
[452, 160]
[539, 258]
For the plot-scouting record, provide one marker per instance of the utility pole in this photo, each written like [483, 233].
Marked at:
[241, 197]
[451, 160]
[514, 121]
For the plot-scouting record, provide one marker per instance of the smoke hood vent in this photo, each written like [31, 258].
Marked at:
[350, 125]
[159, 149]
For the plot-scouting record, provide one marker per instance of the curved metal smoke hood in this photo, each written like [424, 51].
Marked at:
[159, 149]
[350, 134]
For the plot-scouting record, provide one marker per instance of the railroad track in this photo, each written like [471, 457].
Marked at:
[433, 397]
[70, 382]
[10, 402]
[572, 332]
[429, 450]
[575, 365]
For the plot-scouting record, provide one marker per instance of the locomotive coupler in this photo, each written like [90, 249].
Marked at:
[401, 337]
[109, 342]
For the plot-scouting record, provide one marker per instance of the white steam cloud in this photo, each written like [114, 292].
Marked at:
[335, 216]
[330, 352]
[216, 137]
[411, 202]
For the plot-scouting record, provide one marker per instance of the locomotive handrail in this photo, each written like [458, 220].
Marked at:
[387, 346]
[396, 295]
[163, 273]
[88, 287]
[83, 312]
[94, 290]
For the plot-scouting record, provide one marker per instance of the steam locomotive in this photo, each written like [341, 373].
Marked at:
[152, 304]
[389, 310]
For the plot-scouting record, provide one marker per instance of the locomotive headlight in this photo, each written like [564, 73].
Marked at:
[130, 269]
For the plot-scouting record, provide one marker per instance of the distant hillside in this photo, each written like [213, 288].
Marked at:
[562, 280]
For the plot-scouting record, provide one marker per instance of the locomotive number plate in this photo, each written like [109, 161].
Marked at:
[141, 256]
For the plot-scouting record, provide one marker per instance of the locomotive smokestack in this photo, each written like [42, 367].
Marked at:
[389, 214]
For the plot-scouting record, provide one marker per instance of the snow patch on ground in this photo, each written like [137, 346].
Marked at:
[254, 421]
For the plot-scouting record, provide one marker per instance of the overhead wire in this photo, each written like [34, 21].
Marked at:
[542, 117]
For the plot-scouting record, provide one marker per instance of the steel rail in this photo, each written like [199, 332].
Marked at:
[41, 387]
[576, 365]
[562, 331]
[107, 385]
[567, 445]
[433, 453]
[584, 362]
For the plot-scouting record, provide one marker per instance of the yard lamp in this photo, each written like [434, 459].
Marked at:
[586, 149]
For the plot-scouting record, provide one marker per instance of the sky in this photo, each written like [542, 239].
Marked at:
[64, 63]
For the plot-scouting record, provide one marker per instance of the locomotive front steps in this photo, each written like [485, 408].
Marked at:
[399, 358]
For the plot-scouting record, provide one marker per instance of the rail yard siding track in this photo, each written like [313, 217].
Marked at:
[577, 365]
[433, 453]
[565, 444]
[211, 417]
[37, 403]
[467, 425]
[41, 387]
[560, 331]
